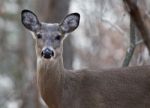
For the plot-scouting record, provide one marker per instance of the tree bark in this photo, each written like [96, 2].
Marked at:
[54, 11]
[139, 20]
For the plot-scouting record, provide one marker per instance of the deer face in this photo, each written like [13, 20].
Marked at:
[49, 37]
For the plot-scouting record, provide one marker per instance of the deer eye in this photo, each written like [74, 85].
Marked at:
[39, 36]
[58, 37]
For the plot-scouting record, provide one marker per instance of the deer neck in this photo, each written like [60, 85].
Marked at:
[50, 78]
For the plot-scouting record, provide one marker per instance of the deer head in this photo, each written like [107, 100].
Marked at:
[49, 37]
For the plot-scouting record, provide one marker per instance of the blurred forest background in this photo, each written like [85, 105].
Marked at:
[101, 41]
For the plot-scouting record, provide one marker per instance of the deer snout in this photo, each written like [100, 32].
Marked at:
[47, 53]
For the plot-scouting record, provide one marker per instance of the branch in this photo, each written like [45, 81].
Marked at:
[132, 46]
[138, 20]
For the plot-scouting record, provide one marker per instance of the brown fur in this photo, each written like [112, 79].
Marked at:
[113, 88]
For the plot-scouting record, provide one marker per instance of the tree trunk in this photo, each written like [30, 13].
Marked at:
[52, 12]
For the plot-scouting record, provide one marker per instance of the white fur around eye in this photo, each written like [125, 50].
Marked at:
[33, 35]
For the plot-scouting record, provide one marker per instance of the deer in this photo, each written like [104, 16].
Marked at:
[127, 87]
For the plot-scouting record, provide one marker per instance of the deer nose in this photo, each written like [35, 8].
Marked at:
[47, 53]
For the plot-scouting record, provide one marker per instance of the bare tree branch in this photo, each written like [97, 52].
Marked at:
[130, 50]
[136, 16]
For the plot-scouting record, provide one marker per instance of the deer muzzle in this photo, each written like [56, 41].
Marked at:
[47, 53]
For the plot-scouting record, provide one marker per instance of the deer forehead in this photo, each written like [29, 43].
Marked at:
[49, 28]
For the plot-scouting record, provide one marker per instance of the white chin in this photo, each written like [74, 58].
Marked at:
[39, 59]
[48, 59]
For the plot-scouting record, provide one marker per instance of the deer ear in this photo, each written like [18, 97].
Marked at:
[30, 20]
[70, 22]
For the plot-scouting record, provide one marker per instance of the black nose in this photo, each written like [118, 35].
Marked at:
[47, 53]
